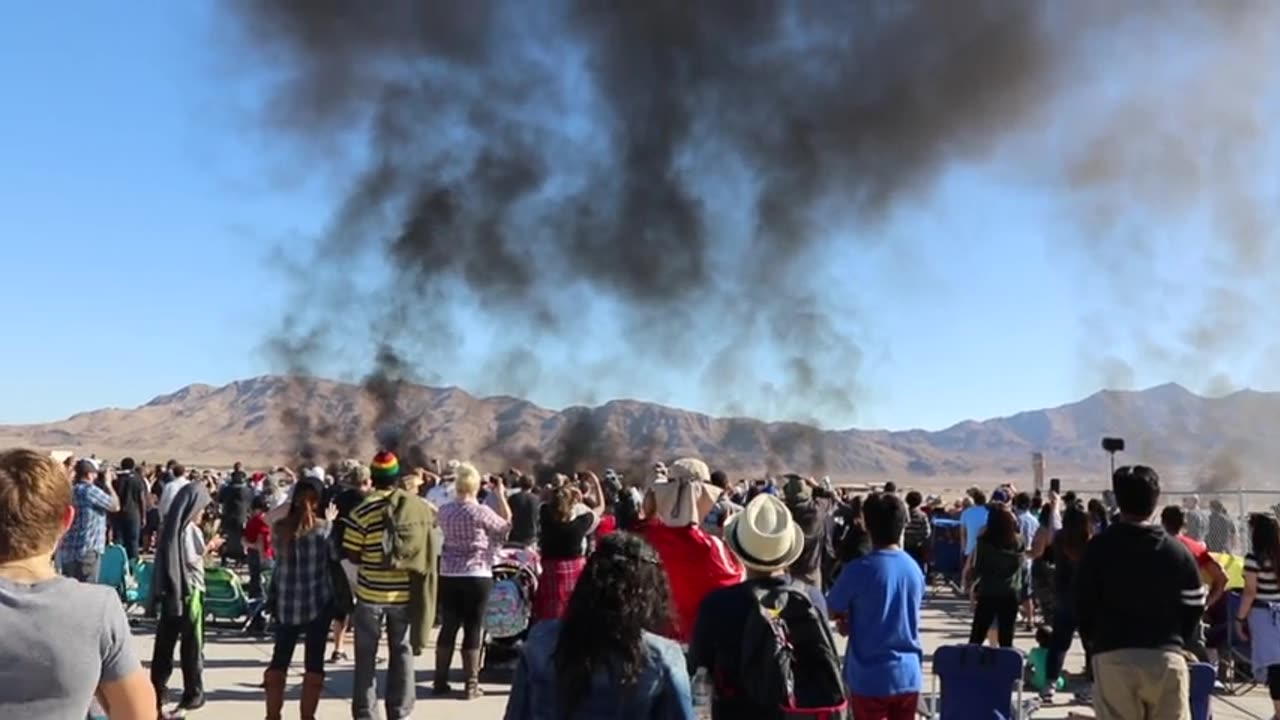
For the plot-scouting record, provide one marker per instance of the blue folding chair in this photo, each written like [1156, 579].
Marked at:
[113, 570]
[977, 682]
[1202, 677]
[141, 593]
[116, 573]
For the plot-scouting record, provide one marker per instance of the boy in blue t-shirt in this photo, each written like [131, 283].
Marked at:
[878, 600]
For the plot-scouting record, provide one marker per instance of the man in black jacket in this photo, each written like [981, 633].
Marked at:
[1139, 601]
[235, 498]
[132, 491]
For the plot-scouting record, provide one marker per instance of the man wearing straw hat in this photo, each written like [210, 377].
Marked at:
[767, 540]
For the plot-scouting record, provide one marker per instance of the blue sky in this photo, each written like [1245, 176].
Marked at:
[142, 206]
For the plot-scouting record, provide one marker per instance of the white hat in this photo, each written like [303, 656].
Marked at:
[687, 495]
[764, 536]
[683, 503]
[314, 471]
[691, 469]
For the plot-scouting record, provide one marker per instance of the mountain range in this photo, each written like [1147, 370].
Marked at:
[268, 420]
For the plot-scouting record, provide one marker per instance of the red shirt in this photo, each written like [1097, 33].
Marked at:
[608, 524]
[1199, 551]
[256, 529]
[696, 564]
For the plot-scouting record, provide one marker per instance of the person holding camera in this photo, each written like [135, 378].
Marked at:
[472, 532]
[564, 543]
[80, 553]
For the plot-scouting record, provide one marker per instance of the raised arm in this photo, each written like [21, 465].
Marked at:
[503, 508]
[1041, 542]
[107, 499]
[595, 493]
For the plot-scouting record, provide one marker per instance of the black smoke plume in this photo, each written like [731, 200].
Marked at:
[527, 158]
[672, 177]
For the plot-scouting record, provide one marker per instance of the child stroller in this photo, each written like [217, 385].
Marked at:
[510, 610]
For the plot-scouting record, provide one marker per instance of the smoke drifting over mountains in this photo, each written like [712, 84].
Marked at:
[687, 171]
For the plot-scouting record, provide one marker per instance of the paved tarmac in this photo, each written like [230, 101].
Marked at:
[234, 665]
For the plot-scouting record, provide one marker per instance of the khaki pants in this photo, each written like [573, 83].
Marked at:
[1141, 685]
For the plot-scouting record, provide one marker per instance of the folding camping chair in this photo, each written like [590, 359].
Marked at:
[977, 682]
[226, 600]
[142, 573]
[116, 573]
[1202, 678]
[1236, 659]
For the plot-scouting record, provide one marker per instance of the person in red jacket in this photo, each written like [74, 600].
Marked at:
[696, 562]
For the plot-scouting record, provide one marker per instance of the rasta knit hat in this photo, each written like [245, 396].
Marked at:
[385, 466]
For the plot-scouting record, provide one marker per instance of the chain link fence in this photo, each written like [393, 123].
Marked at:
[1239, 504]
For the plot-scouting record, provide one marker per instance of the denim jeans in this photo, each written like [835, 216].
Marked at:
[128, 535]
[256, 565]
[368, 621]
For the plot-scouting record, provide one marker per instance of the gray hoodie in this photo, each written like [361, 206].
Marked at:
[175, 574]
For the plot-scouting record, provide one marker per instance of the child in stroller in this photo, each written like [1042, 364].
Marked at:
[507, 617]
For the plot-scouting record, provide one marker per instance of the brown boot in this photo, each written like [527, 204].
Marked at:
[471, 669]
[440, 683]
[273, 686]
[312, 687]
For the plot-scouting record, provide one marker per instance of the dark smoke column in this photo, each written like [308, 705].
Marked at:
[681, 163]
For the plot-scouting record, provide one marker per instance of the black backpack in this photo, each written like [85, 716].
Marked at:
[789, 659]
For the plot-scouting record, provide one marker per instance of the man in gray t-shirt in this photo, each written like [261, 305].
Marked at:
[59, 640]
[62, 643]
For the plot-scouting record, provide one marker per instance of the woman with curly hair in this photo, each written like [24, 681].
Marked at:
[605, 658]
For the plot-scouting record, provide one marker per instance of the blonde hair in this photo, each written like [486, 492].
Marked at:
[466, 480]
